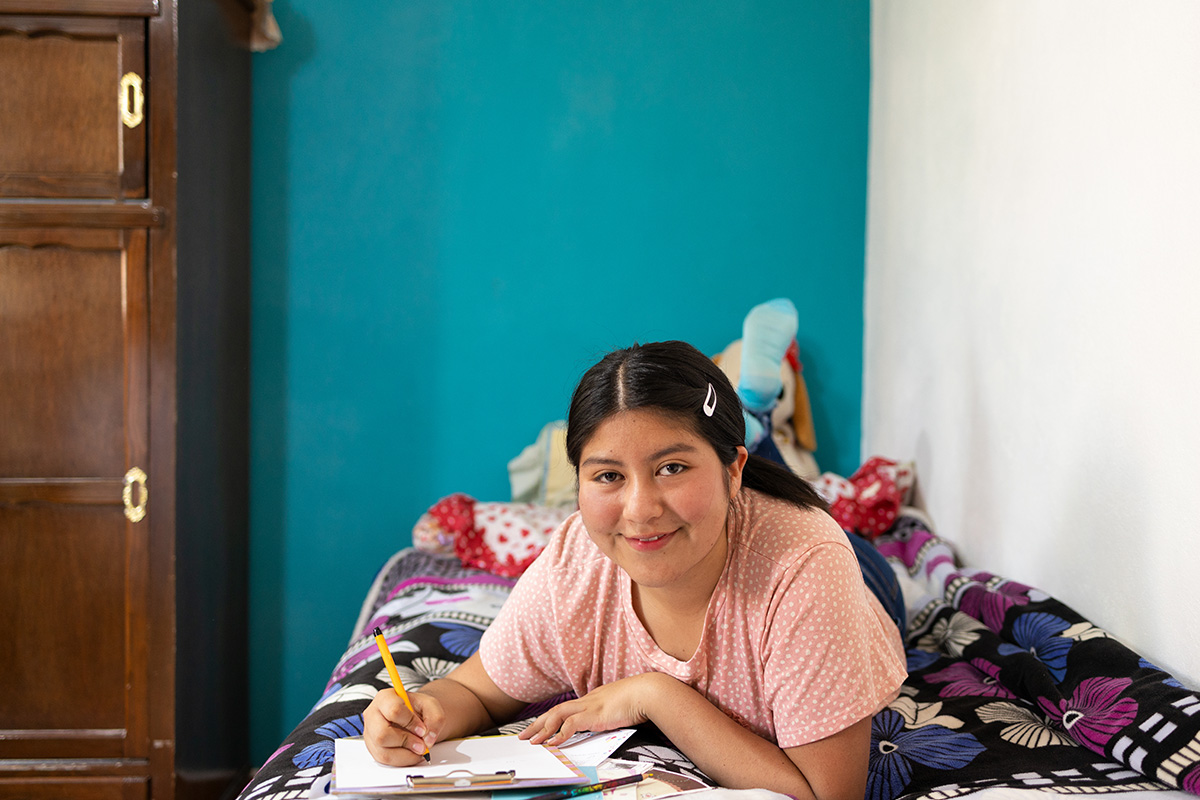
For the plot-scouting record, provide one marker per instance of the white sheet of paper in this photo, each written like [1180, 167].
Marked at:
[588, 749]
[355, 769]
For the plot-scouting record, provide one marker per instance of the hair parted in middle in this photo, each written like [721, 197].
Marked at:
[675, 379]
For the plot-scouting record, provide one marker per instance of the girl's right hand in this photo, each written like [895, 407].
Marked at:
[394, 735]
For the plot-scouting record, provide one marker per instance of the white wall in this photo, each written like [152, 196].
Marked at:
[1033, 295]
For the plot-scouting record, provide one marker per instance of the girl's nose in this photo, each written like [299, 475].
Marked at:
[643, 501]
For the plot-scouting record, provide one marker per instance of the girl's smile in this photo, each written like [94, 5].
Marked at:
[648, 543]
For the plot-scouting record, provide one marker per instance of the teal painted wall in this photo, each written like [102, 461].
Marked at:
[459, 206]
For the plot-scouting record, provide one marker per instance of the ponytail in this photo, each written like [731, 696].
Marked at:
[776, 480]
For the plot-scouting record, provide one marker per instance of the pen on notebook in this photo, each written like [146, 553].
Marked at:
[396, 682]
[575, 791]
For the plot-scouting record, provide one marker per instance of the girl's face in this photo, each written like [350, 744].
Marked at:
[654, 498]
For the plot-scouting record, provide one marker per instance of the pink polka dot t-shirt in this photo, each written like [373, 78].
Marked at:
[795, 647]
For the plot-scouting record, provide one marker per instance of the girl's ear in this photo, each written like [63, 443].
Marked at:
[735, 470]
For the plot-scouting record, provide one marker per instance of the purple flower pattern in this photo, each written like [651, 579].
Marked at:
[977, 678]
[1191, 783]
[991, 603]
[1095, 711]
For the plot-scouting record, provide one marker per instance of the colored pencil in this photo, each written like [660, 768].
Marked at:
[575, 791]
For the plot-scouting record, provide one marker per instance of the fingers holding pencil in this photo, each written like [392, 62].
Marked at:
[394, 735]
[394, 728]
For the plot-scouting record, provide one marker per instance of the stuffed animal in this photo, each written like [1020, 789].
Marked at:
[791, 419]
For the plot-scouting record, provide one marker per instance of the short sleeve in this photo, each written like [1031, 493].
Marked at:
[829, 659]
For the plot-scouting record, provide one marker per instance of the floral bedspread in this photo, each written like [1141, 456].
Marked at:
[1007, 688]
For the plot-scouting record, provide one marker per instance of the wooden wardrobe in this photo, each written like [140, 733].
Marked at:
[124, 308]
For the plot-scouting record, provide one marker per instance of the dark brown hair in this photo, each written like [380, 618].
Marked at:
[674, 378]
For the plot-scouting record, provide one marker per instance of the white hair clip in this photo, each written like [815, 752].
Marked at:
[710, 401]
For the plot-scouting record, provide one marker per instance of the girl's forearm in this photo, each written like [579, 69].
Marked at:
[733, 756]
[465, 714]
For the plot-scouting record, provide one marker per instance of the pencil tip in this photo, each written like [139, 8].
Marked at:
[378, 632]
[427, 758]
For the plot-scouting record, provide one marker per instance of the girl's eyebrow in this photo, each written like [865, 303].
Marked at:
[669, 450]
[597, 461]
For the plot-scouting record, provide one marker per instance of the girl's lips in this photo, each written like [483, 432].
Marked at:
[646, 544]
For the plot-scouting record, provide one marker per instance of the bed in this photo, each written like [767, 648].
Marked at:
[1009, 691]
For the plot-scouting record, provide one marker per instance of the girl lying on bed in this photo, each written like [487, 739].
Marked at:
[699, 588]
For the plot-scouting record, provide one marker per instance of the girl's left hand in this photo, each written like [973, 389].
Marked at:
[620, 704]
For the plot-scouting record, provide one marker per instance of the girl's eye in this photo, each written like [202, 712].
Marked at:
[607, 477]
[672, 469]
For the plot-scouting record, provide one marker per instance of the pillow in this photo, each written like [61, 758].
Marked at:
[502, 538]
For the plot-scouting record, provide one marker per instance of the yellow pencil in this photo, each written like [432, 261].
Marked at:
[396, 682]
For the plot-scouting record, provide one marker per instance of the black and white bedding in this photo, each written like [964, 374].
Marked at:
[1008, 690]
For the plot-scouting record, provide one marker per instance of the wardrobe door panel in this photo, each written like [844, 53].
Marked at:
[70, 626]
[63, 357]
[72, 107]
